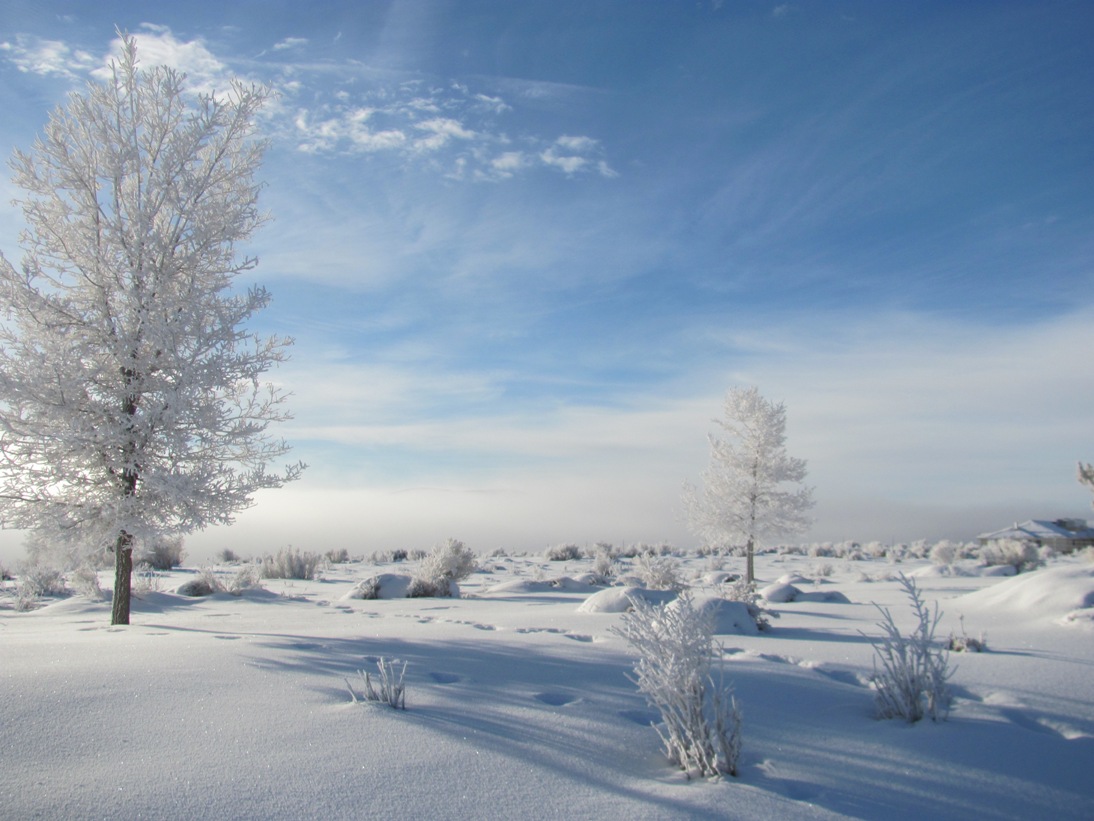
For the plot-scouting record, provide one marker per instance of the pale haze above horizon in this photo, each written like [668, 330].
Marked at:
[525, 248]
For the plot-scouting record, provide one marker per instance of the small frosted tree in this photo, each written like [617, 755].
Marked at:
[1086, 475]
[752, 489]
[131, 400]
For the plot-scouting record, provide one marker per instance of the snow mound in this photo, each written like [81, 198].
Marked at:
[727, 617]
[1054, 592]
[714, 578]
[792, 578]
[381, 586]
[618, 599]
[564, 584]
[780, 592]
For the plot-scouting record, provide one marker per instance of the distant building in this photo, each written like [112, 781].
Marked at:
[1062, 535]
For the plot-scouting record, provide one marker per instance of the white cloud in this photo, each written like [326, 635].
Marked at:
[35, 55]
[441, 130]
[291, 43]
[157, 45]
[572, 154]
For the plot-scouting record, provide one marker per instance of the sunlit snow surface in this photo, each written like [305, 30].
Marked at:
[519, 705]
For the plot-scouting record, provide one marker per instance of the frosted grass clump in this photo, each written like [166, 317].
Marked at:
[910, 672]
[389, 689]
[440, 571]
[701, 721]
[290, 563]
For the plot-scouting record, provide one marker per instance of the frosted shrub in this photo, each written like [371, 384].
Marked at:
[562, 553]
[163, 553]
[1019, 555]
[944, 553]
[448, 564]
[246, 578]
[339, 556]
[205, 583]
[35, 581]
[291, 564]
[391, 688]
[452, 560]
[145, 580]
[701, 722]
[227, 556]
[910, 672]
[966, 643]
[659, 572]
[604, 561]
[42, 580]
[85, 581]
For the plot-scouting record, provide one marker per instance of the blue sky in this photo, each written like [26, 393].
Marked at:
[526, 247]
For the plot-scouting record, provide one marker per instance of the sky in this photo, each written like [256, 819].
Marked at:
[524, 249]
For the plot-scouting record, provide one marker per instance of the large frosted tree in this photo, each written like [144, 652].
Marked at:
[752, 489]
[131, 395]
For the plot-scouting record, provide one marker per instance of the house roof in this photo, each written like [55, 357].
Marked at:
[1039, 530]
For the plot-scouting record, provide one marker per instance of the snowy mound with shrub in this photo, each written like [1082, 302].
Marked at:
[619, 599]
[726, 617]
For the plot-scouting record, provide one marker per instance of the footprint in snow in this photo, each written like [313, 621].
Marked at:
[643, 718]
[555, 699]
[444, 678]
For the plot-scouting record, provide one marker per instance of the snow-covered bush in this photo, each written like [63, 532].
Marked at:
[440, 571]
[227, 556]
[562, 553]
[944, 553]
[162, 553]
[85, 581]
[1018, 554]
[604, 561]
[701, 722]
[392, 688]
[41, 580]
[145, 580]
[290, 563]
[421, 587]
[339, 556]
[659, 572]
[452, 561]
[246, 578]
[205, 583]
[910, 672]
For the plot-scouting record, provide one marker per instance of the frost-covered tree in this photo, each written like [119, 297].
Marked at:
[752, 489]
[131, 396]
[1086, 475]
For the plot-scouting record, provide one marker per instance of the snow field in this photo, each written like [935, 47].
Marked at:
[518, 704]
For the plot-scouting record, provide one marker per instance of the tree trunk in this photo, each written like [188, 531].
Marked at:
[750, 567]
[123, 577]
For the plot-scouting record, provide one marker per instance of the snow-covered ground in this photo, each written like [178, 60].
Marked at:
[519, 705]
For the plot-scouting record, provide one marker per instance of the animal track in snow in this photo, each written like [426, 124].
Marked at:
[444, 678]
[555, 699]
